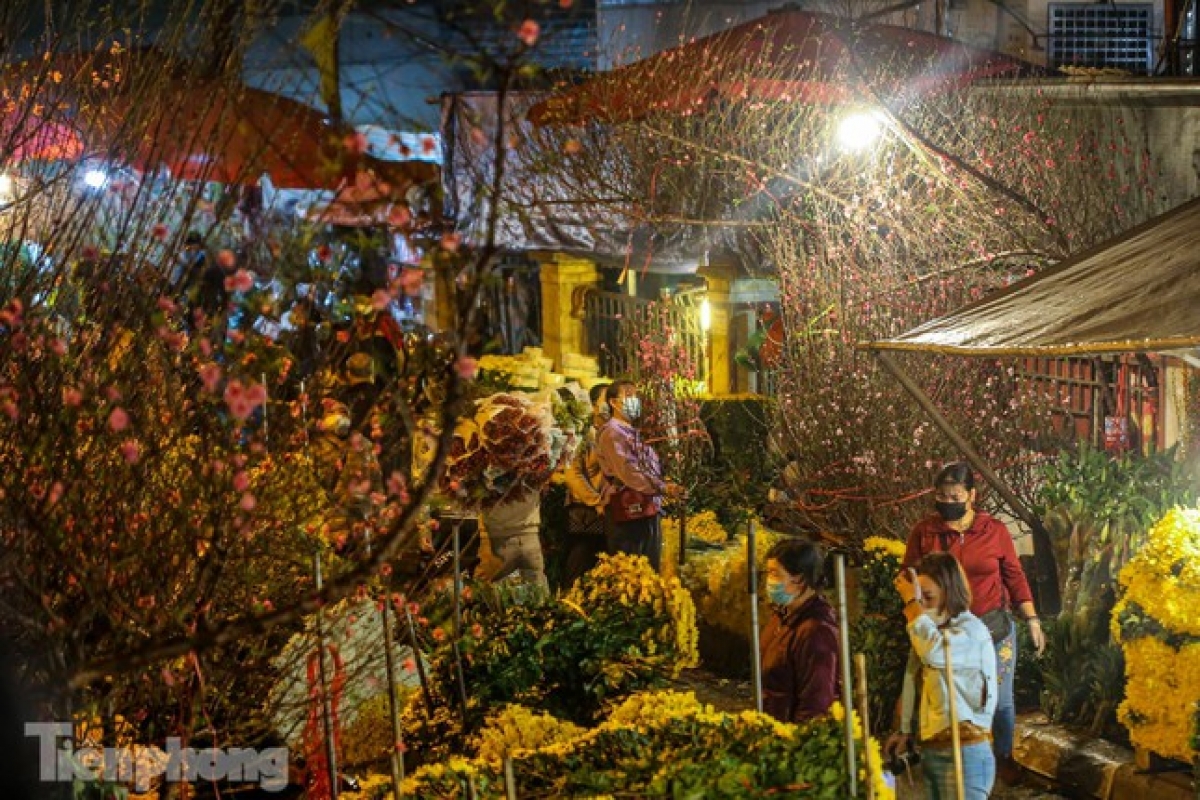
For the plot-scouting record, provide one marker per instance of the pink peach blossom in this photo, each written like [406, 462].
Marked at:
[240, 281]
[466, 367]
[528, 32]
[131, 451]
[210, 376]
[118, 420]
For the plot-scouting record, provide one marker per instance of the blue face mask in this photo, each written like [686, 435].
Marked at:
[632, 406]
[778, 595]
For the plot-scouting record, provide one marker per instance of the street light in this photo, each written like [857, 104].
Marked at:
[95, 178]
[705, 315]
[6, 187]
[860, 130]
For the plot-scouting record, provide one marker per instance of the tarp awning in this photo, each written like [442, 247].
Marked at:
[1139, 292]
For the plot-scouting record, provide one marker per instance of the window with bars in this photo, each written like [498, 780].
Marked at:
[1116, 36]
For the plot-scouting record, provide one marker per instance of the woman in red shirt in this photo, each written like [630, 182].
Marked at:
[984, 547]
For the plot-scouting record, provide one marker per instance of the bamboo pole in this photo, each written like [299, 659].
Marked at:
[755, 653]
[396, 759]
[455, 532]
[326, 700]
[421, 676]
[397, 752]
[955, 736]
[510, 780]
[839, 562]
[683, 515]
[864, 714]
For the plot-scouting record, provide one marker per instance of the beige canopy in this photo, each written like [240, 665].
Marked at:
[1137, 292]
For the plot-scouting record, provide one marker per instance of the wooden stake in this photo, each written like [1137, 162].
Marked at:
[864, 714]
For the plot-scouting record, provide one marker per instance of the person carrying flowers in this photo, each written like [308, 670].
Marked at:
[500, 460]
[984, 547]
[942, 629]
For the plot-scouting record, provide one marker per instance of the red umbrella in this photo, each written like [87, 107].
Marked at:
[152, 110]
[26, 137]
[785, 56]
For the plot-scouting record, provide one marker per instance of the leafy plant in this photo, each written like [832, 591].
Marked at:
[1098, 508]
[666, 744]
[879, 631]
[620, 629]
[740, 474]
[1082, 673]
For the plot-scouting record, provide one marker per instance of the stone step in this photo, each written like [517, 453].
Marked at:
[1090, 767]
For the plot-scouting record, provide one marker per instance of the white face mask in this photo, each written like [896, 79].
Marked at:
[632, 406]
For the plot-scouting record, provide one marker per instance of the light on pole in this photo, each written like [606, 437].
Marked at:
[860, 130]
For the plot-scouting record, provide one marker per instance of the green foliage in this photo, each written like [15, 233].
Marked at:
[740, 474]
[1083, 673]
[701, 755]
[1028, 684]
[569, 656]
[1098, 508]
[879, 633]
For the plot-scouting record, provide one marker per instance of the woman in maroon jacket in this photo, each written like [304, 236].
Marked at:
[800, 642]
[984, 547]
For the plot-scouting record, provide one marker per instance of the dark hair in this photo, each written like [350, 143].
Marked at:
[615, 388]
[956, 473]
[944, 570]
[596, 391]
[801, 559]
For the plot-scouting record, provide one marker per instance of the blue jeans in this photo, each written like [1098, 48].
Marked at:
[1004, 724]
[979, 772]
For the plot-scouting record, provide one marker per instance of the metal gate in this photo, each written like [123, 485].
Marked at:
[610, 318]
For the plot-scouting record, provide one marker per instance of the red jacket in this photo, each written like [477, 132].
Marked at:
[986, 553]
[800, 661]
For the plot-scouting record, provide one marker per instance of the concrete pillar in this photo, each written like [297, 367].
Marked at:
[719, 278]
[441, 310]
[561, 275]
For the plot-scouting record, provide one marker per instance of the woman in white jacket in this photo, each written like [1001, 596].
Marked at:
[937, 606]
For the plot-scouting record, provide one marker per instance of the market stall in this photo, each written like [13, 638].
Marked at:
[1135, 293]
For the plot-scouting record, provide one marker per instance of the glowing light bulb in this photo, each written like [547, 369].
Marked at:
[860, 131]
[95, 178]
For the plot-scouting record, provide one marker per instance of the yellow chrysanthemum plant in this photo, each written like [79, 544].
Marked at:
[621, 629]
[717, 580]
[880, 624]
[1157, 623]
[697, 752]
[624, 590]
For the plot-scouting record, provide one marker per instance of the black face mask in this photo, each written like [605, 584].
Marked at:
[951, 512]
